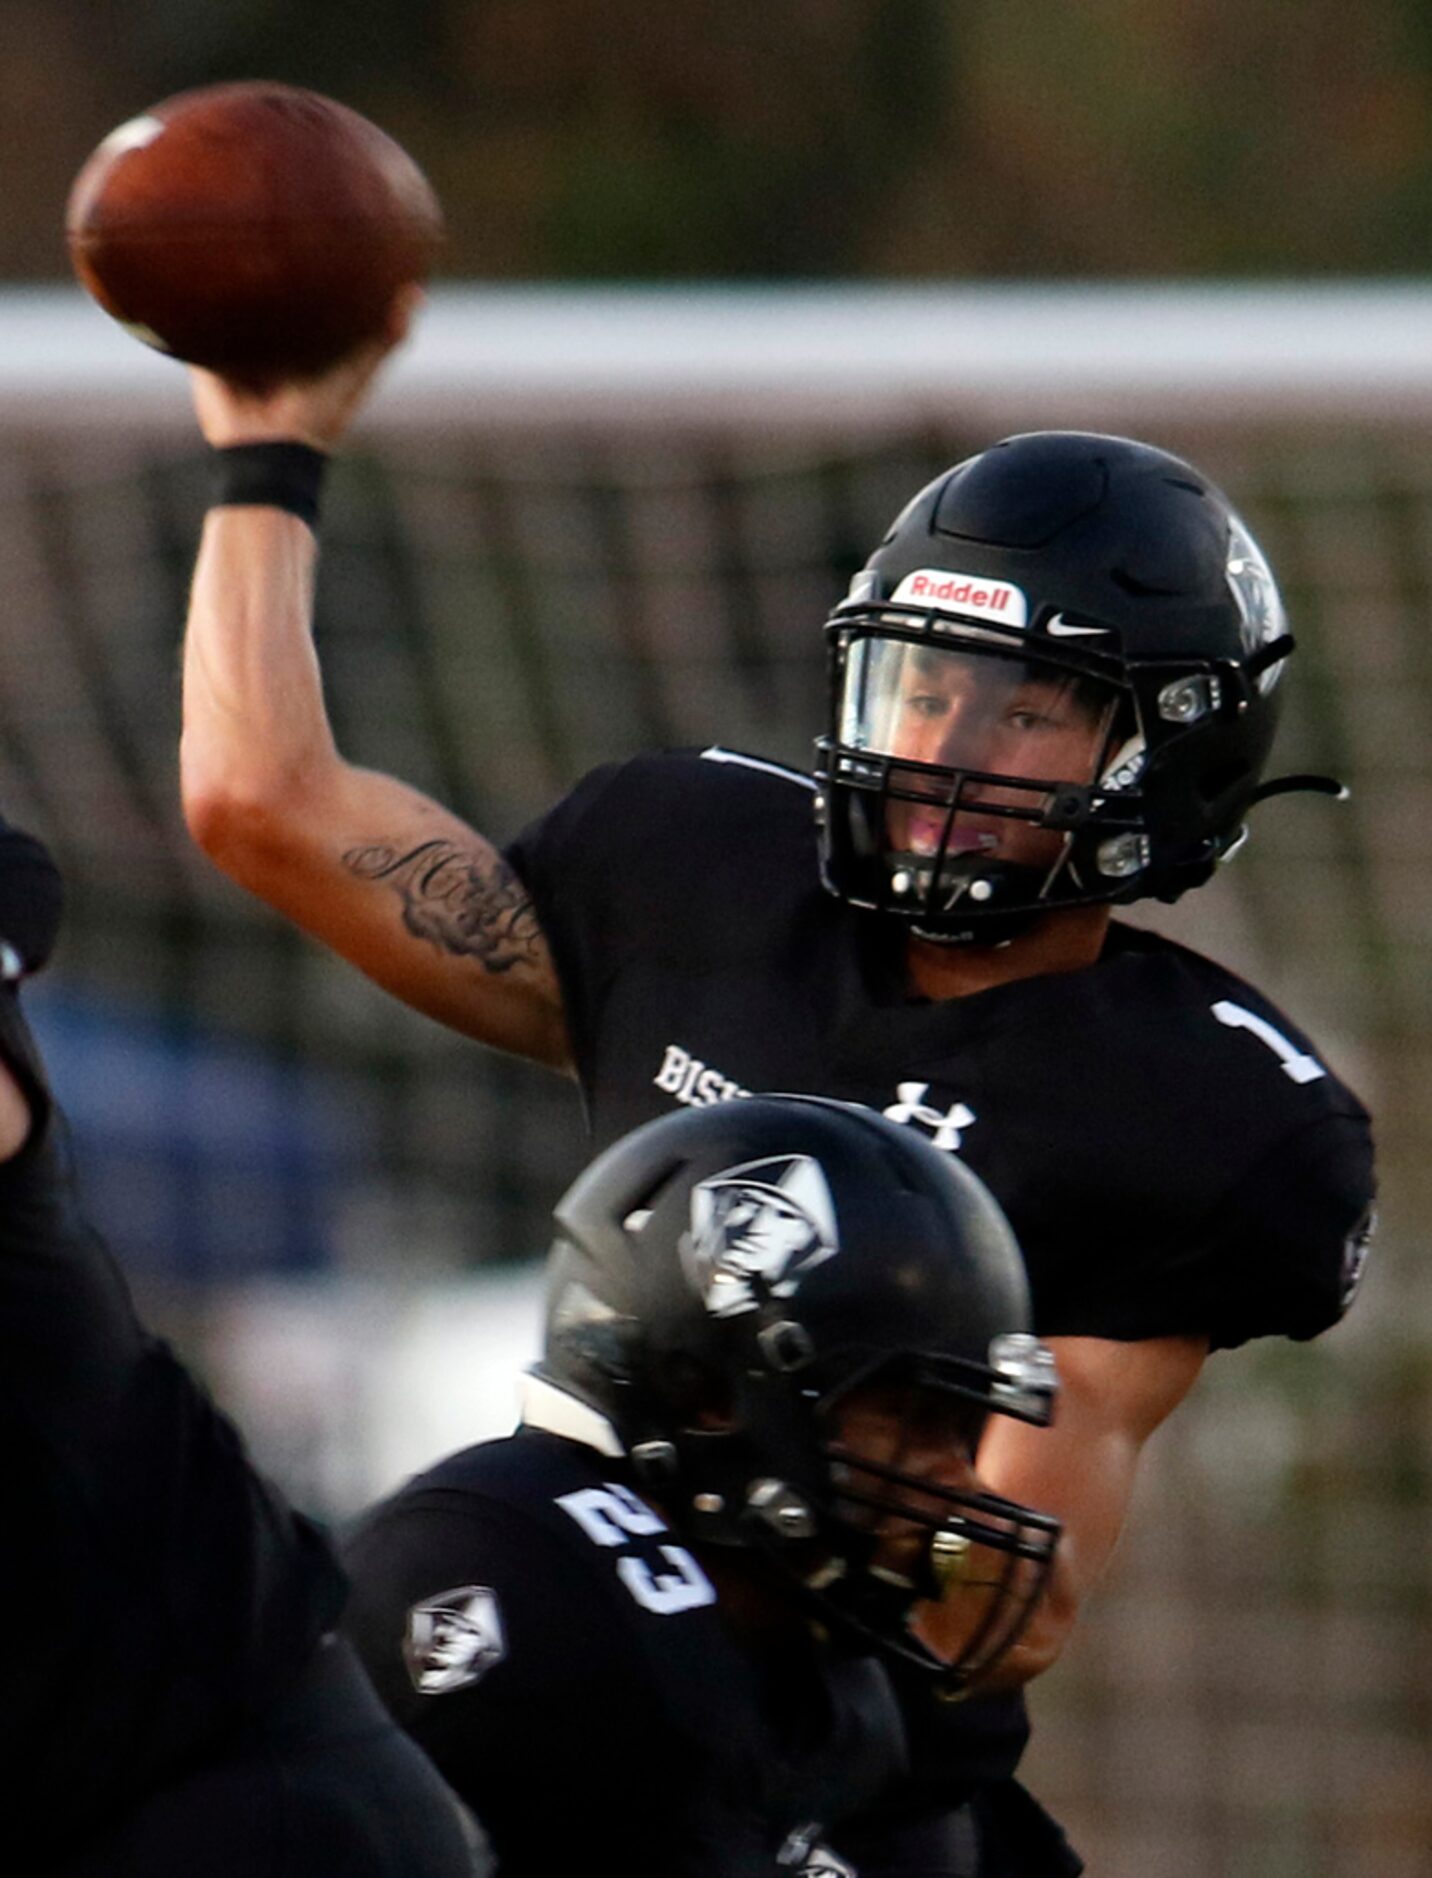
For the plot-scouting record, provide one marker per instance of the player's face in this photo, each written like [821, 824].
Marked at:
[923, 1434]
[973, 712]
[969, 1591]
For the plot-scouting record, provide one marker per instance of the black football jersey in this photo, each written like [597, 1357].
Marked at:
[1173, 1154]
[159, 1593]
[571, 1669]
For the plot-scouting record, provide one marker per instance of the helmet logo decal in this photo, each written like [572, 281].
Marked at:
[1255, 593]
[975, 595]
[756, 1230]
[453, 1639]
[1061, 628]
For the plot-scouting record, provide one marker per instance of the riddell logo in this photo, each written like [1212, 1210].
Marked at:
[964, 593]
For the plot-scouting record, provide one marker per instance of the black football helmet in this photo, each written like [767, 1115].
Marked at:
[723, 1282]
[1057, 579]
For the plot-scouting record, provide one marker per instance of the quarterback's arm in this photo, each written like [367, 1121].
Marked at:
[400, 887]
[1112, 1397]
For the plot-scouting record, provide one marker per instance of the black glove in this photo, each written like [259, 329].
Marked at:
[31, 902]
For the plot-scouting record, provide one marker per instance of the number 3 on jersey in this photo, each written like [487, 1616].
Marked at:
[611, 1515]
[1295, 1063]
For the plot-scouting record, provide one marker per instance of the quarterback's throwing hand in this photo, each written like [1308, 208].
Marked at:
[316, 411]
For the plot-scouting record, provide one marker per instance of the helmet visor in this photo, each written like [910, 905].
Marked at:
[970, 744]
[977, 711]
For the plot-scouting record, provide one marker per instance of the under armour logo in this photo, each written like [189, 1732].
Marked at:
[946, 1129]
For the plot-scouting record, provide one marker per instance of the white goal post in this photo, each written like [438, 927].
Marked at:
[811, 356]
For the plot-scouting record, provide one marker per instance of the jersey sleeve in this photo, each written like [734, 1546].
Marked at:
[566, 860]
[1292, 1240]
[560, 842]
[570, 860]
[201, 1589]
[483, 1637]
[1281, 1254]
[69, 1332]
[510, 1590]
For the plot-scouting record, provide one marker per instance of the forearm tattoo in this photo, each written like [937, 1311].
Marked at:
[460, 902]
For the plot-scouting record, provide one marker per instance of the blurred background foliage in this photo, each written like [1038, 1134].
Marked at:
[798, 138]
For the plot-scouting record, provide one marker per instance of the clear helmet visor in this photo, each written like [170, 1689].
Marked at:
[965, 755]
[979, 730]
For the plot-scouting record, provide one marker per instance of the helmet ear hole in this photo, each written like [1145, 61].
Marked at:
[786, 1346]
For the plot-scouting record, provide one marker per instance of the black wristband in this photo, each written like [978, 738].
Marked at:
[286, 476]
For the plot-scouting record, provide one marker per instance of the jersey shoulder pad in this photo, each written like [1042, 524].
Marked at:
[640, 795]
[1239, 1055]
[613, 814]
[1245, 1164]
[503, 1599]
[663, 852]
[740, 760]
[539, 1493]
[660, 789]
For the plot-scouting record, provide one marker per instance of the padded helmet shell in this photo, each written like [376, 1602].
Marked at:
[722, 1277]
[1128, 566]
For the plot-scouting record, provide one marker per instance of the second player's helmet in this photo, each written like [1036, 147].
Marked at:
[728, 1283]
[1069, 633]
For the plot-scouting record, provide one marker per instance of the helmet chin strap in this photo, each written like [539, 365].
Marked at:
[994, 930]
[988, 926]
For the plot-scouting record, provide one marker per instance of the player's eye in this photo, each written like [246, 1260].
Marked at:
[1031, 717]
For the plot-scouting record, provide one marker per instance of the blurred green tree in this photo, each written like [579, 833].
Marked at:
[793, 138]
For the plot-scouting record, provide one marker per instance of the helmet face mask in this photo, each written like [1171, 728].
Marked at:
[965, 766]
[899, 1448]
[743, 1291]
[1057, 575]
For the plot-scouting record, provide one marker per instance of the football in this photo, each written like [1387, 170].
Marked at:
[257, 229]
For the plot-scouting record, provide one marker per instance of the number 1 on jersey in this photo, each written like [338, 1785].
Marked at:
[1296, 1064]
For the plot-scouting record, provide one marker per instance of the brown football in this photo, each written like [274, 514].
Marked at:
[255, 228]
